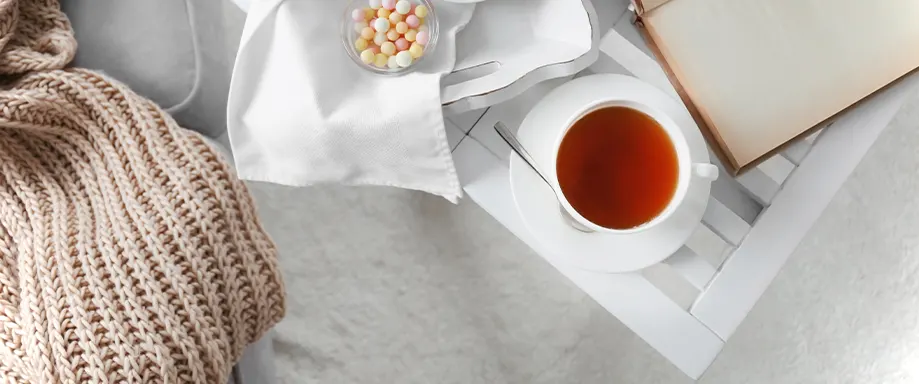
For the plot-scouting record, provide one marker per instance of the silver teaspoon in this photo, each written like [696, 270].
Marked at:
[518, 148]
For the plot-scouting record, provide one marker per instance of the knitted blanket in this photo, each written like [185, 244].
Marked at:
[129, 251]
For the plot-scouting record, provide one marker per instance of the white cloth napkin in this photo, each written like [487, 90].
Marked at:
[300, 112]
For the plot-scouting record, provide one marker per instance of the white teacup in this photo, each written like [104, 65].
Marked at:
[687, 169]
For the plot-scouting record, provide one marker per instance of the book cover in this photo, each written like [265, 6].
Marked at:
[756, 74]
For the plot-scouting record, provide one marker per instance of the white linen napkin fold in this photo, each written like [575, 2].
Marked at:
[300, 112]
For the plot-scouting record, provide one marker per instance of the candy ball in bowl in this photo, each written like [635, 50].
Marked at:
[389, 37]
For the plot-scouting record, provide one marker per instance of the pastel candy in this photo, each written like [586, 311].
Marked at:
[388, 48]
[367, 33]
[403, 7]
[423, 37]
[413, 21]
[380, 38]
[380, 60]
[358, 15]
[392, 33]
[404, 59]
[361, 44]
[421, 11]
[381, 25]
[367, 56]
[411, 35]
[416, 50]
[402, 44]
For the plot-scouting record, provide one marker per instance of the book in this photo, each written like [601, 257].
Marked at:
[757, 74]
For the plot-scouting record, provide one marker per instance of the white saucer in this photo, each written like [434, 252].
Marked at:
[610, 253]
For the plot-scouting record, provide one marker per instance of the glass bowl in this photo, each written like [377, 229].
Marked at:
[350, 34]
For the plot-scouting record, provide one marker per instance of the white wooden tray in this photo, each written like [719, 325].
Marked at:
[688, 306]
[509, 46]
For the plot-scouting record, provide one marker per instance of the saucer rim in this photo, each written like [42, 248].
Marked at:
[567, 98]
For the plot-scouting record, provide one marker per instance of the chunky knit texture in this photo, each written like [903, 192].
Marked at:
[129, 251]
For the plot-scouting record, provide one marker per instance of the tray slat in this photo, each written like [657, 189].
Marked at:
[692, 267]
[709, 246]
[725, 223]
[777, 168]
[760, 186]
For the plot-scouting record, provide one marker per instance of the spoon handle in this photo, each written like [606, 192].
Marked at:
[512, 141]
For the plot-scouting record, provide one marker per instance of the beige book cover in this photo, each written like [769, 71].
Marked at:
[756, 74]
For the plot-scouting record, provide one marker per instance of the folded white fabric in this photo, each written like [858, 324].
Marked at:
[300, 112]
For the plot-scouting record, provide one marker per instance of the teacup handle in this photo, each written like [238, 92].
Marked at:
[705, 171]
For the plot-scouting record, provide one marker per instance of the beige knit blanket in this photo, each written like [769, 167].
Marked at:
[129, 251]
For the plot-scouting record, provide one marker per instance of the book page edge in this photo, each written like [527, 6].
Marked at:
[710, 131]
